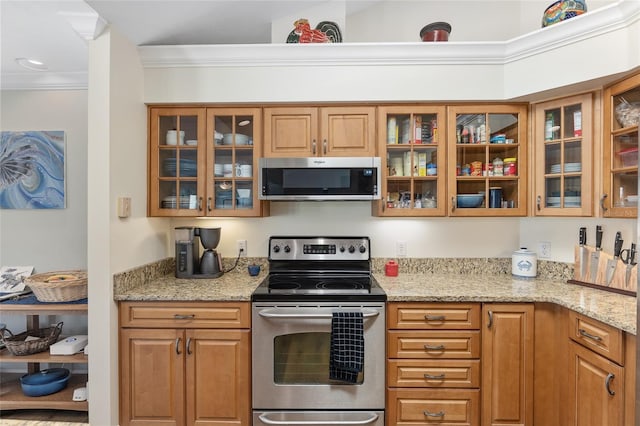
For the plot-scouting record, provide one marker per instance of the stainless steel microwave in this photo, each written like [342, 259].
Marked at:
[319, 178]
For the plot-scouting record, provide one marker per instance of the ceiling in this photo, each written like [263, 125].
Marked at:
[56, 31]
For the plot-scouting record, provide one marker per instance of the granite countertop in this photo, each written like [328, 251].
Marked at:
[157, 282]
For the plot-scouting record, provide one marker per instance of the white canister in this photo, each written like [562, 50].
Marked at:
[524, 263]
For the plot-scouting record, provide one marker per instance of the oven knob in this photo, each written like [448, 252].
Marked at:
[363, 249]
[341, 249]
[352, 249]
[287, 249]
[276, 249]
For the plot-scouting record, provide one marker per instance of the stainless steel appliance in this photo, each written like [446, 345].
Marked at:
[320, 178]
[189, 263]
[313, 281]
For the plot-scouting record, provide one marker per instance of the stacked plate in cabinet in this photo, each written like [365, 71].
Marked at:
[568, 168]
[571, 199]
[188, 168]
[171, 202]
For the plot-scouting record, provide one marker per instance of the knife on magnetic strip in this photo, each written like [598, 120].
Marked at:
[583, 252]
[612, 263]
[595, 256]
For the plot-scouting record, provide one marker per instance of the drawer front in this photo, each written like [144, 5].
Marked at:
[433, 316]
[433, 407]
[433, 344]
[185, 315]
[439, 373]
[597, 336]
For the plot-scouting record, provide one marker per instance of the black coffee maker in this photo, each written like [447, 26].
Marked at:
[189, 262]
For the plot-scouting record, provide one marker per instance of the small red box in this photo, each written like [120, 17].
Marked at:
[629, 157]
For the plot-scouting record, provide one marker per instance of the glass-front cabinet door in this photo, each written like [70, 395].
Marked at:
[563, 138]
[620, 170]
[233, 149]
[487, 160]
[412, 149]
[176, 161]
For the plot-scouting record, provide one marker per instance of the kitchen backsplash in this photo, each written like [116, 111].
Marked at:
[478, 266]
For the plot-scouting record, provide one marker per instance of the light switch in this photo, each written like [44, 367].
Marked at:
[124, 206]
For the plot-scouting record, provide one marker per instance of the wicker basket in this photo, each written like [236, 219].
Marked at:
[17, 345]
[628, 113]
[60, 286]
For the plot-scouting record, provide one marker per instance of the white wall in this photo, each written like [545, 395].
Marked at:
[52, 239]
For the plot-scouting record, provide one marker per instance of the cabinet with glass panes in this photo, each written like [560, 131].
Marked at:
[563, 155]
[619, 196]
[487, 160]
[412, 150]
[203, 161]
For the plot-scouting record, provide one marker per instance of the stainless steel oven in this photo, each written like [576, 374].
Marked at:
[312, 282]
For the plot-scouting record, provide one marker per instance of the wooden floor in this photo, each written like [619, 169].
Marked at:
[45, 415]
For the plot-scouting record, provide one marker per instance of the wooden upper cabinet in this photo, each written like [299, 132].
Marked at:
[563, 149]
[319, 132]
[620, 149]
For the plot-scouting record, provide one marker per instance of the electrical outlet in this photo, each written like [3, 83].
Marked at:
[544, 249]
[401, 248]
[242, 248]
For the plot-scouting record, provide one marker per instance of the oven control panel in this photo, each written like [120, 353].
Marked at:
[319, 248]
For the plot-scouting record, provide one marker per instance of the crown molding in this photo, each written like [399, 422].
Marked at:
[46, 81]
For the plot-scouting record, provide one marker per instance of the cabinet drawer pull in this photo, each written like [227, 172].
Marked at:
[182, 316]
[189, 346]
[432, 377]
[435, 317]
[584, 333]
[607, 383]
[434, 348]
[178, 346]
[430, 414]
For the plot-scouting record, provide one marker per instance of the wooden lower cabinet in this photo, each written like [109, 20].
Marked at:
[184, 376]
[443, 407]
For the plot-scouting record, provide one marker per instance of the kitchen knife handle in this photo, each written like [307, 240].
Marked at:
[583, 236]
[598, 236]
[584, 333]
[617, 246]
[602, 207]
[632, 254]
[607, 383]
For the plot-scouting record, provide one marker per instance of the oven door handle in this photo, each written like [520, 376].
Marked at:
[267, 313]
[265, 419]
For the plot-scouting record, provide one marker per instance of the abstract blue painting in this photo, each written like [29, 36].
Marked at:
[32, 170]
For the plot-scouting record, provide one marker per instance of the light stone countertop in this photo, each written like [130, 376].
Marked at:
[611, 308]
[156, 282]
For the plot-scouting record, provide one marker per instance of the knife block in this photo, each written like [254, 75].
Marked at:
[599, 280]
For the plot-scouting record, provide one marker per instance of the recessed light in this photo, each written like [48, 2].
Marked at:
[32, 64]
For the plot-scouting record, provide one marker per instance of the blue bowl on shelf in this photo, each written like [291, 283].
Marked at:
[469, 201]
[45, 382]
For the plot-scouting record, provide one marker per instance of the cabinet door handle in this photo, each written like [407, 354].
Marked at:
[438, 377]
[604, 209]
[538, 202]
[178, 346]
[324, 147]
[434, 317]
[200, 203]
[607, 383]
[434, 347]
[430, 414]
[209, 204]
[490, 323]
[313, 147]
[584, 333]
[453, 204]
[189, 346]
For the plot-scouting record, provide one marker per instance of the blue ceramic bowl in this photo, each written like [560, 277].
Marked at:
[45, 382]
[467, 201]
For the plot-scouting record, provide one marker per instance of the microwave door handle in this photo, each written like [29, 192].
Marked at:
[264, 418]
[268, 314]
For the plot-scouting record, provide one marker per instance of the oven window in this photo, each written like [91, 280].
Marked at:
[303, 359]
